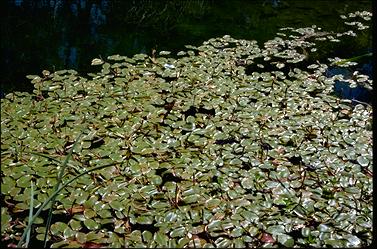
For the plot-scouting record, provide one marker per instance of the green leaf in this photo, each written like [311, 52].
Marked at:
[305, 231]
[58, 228]
[60, 244]
[237, 232]
[116, 157]
[68, 232]
[276, 229]
[104, 213]
[178, 232]
[250, 216]
[334, 243]
[170, 216]
[285, 240]
[352, 241]
[75, 224]
[353, 190]
[24, 181]
[247, 183]
[91, 224]
[89, 213]
[222, 243]
[144, 220]
[7, 185]
[214, 225]
[213, 203]
[323, 228]
[363, 161]
[191, 198]
[116, 205]
[147, 236]
[81, 237]
[182, 242]
[156, 180]
[5, 219]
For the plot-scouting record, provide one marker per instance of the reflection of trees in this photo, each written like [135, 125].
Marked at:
[152, 13]
[145, 13]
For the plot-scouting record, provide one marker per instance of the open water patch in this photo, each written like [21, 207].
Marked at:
[343, 89]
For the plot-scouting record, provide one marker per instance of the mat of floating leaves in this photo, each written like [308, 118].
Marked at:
[210, 149]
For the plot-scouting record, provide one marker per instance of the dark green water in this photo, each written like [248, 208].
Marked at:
[57, 34]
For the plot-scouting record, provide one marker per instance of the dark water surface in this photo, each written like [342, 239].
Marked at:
[68, 34]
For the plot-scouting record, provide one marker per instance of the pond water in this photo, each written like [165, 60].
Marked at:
[343, 90]
[57, 34]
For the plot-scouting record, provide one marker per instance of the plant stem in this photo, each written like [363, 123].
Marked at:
[54, 194]
[59, 180]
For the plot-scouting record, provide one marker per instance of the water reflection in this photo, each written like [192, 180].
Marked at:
[343, 89]
[74, 9]
[97, 15]
[58, 34]
[18, 2]
[68, 55]
[274, 3]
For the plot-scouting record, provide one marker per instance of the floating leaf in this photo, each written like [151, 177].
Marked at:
[178, 232]
[75, 225]
[222, 242]
[5, 219]
[89, 213]
[247, 183]
[91, 224]
[363, 161]
[285, 240]
[191, 198]
[147, 236]
[161, 239]
[144, 220]
[58, 228]
[97, 62]
[68, 232]
[116, 205]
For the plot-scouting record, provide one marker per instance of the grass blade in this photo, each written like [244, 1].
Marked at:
[356, 58]
[59, 180]
[54, 194]
[76, 168]
[30, 212]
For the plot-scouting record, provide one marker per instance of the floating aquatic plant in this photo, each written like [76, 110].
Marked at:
[228, 144]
